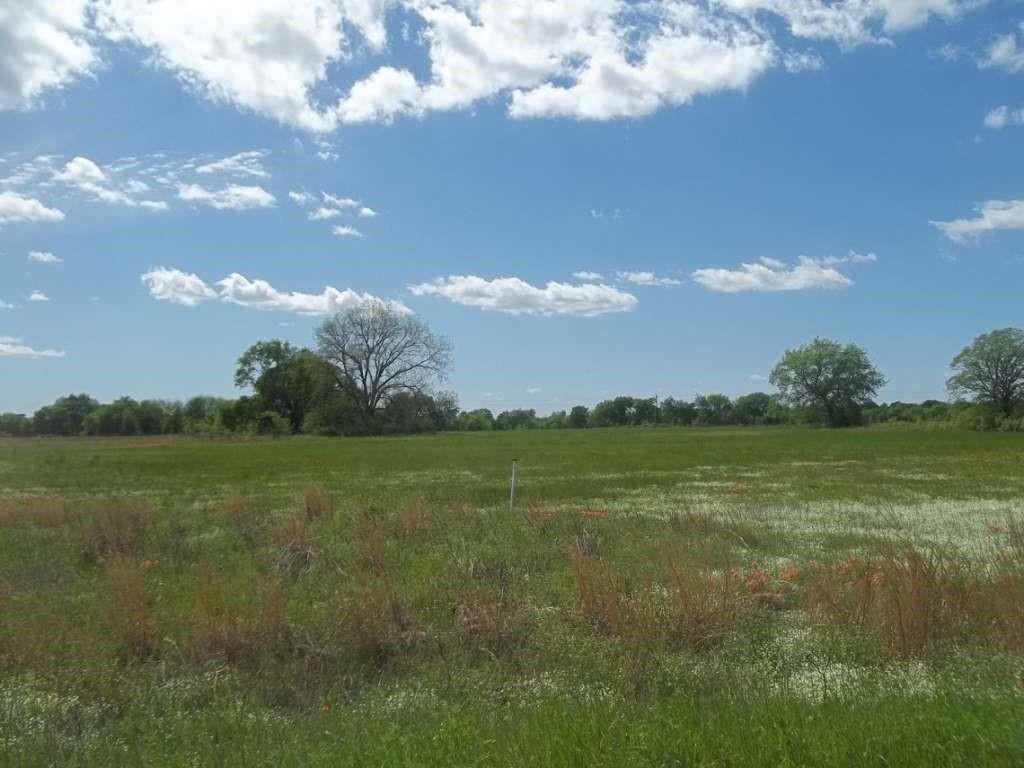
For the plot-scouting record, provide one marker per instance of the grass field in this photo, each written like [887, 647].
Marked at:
[662, 597]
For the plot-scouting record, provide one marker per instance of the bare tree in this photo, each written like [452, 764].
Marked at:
[377, 351]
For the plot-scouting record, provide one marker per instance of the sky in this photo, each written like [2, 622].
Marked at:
[589, 197]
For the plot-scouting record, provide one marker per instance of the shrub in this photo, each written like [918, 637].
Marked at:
[131, 623]
[112, 528]
[317, 503]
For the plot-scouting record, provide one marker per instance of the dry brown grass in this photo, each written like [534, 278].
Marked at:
[371, 547]
[129, 614]
[47, 511]
[317, 503]
[917, 604]
[540, 516]
[598, 595]
[112, 528]
[237, 624]
[412, 520]
[296, 550]
[374, 626]
[492, 624]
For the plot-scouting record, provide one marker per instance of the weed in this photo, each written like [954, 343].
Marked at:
[112, 528]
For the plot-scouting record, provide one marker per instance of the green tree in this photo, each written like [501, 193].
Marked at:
[578, 416]
[713, 410]
[828, 378]
[752, 408]
[990, 370]
[286, 378]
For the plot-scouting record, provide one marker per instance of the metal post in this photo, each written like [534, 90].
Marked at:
[515, 475]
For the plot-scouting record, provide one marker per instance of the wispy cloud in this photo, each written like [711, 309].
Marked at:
[43, 257]
[1004, 116]
[340, 231]
[772, 275]
[12, 346]
[587, 275]
[243, 164]
[234, 197]
[991, 215]
[38, 296]
[647, 278]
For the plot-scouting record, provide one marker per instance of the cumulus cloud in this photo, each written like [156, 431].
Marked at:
[259, 294]
[587, 275]
[45, 46]
[243, 164]
[189, 289]
[81, 170]
[323, 212]
[5, 305]
[38, 296]
[772, 275]
[647, 278]
[12, 346]
[517, 297]
[43, 257]
[18, 208]
[586, 59]
[177, 287]
[991, 215]
[1002, 116]
[367, 213]
[234, 197]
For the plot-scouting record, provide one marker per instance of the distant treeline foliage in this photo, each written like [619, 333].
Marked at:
[375, 369]
[422, 413]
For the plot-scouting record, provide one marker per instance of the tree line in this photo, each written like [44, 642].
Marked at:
[376, 371]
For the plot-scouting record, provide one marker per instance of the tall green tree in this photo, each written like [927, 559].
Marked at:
[287, 379]
[828, 378]
[990, 370]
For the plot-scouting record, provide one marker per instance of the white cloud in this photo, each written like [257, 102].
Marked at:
[323, 213]
[1002, 116]
[772, 275]
[45, 46]
[334, 201]
[264, 55]
[852, 257]
[11, 346]
[1004, 53]
[81, 170]
[757, 377]
[587, 275]
[82, 173]
[992, 215]
[259, 294]
[533, 390]
[647, 278]
[38, 296]
[18, 208]
[340, 231]
[301, 197]
[43, 257]
[243, 164]
[176, 286]
[367, 213]
[189, 289]
[515, 296]
[5, 305]
[233, 197]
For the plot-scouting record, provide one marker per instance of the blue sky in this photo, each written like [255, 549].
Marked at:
[569, 190]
